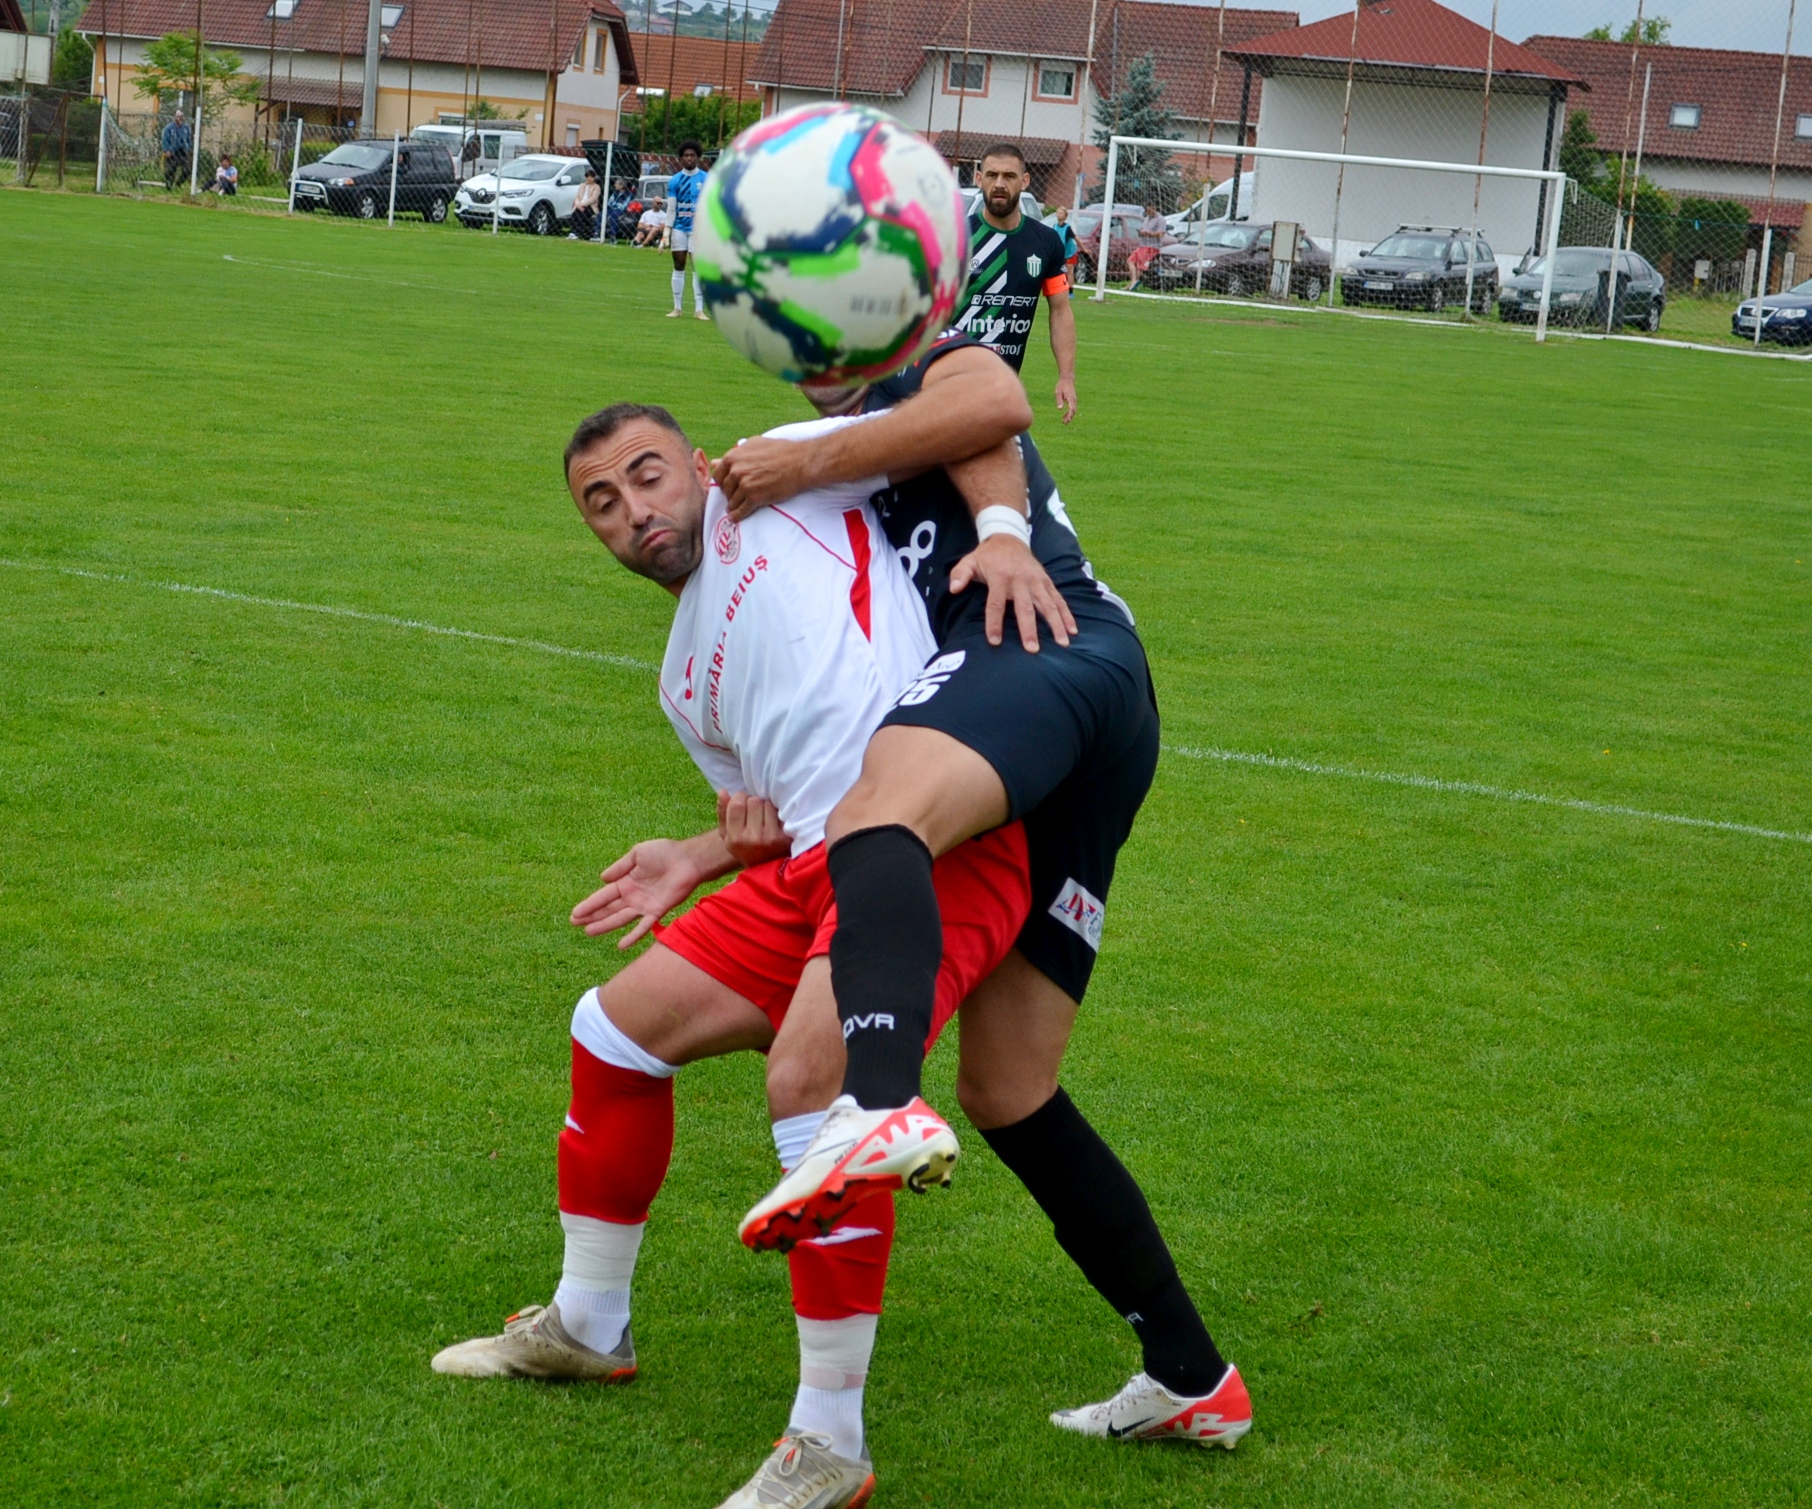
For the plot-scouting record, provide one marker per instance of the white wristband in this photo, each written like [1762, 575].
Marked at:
[998, 518]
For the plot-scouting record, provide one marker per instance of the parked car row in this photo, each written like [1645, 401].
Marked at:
[1235, 259]
[1786, 316]
[534, 192]
[1582, 293]
[357, 178]
[1423, 267]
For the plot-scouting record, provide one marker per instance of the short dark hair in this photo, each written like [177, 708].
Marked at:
[606, 422]
[691, 146]
[1006, 149]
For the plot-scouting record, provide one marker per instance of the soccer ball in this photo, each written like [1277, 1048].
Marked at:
[831, 243]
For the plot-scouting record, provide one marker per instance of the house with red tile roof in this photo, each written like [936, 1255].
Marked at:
[1418, 92]
[1709, 128]
[562, 68]
[1027, 71]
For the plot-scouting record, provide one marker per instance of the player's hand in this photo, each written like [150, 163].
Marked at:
[641, 888]
[750, 828]
[760, 472]
[1013, 574]
[1066, 398]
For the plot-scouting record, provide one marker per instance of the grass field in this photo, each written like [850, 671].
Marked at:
[1480, 1127]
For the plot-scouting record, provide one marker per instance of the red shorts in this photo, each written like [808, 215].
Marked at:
[756, 934]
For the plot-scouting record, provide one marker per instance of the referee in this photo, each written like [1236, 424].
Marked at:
[1012, 261]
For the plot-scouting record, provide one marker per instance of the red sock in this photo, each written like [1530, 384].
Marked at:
[617, 1141]
[844, 1272]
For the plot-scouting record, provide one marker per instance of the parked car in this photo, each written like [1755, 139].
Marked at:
[1581, 275]
[476, 148]
[1786, 316]
[1124, 237]
[534, 192]
[354, 179]
[1422, 267]
[1211, 207]
[1235, 259]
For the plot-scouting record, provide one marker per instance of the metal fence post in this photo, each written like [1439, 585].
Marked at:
[195, 138]
[100, 155]
[1104, 248]
[1559, 183]
[396, 147]
[610, 150]
[295, 165]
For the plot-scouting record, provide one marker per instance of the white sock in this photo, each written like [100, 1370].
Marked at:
[793, 1135]
[698, 293]
[833, 1367]
[595, 1279]
[679, 289]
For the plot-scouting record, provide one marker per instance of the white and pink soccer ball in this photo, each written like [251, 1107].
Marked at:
[832, 244]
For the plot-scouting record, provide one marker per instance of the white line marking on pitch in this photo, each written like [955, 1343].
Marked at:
[625, 662]
[1224, 756]
[1473, 788]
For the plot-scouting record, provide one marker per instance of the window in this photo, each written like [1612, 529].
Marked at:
[389, 15]
[1684, 118]
[281, 10]
[702, 91]
[572, 140]
[1056, 81]
[1803, 127]
[967, 78]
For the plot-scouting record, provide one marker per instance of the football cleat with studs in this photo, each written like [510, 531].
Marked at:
[856, 1154]
[1147, 1411]
[535, 1345]
[802, 1472]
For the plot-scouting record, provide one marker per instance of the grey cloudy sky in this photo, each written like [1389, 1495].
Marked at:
[1760, 25]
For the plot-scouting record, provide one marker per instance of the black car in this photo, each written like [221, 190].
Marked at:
[1422, 267]
[1786, 316]
[1582, 276]
[354, 179]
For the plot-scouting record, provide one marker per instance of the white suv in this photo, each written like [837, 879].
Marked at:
[535, 192]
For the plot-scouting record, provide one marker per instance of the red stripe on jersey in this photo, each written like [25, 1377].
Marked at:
[859, 588]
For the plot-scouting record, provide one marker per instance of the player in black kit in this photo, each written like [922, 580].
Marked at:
[1056, 724]
[1013, 262]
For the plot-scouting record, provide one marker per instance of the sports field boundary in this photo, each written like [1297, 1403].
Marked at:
[1181, 751]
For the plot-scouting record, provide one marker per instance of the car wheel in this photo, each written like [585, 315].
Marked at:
[1312, 290]
[541, 220]
[366, 206]
[1653, 323]
[1236, 286]
[1437, 299]
[436, 211]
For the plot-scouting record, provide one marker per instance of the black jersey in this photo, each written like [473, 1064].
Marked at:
[1009, 271]
[929, 524]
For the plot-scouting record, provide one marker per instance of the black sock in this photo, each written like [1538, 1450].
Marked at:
[884, 961]
[1102, 1221]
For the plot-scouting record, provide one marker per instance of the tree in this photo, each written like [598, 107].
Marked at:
[1143, 174]
[710, 119]
[484, 110]
[73, 67]
[1580, 158]
[1656, 32]
[169, 68]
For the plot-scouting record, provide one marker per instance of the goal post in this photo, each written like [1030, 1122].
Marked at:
[1552, 184]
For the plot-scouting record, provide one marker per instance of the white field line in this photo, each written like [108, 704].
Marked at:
[1656, 340]
[623, 662]
[1224, 756]
[1473, 788]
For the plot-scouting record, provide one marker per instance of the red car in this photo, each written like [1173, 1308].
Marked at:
[1123, 238]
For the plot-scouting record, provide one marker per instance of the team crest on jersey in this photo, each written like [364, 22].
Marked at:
[1034, 265]
[1082, 913]
[726, 540]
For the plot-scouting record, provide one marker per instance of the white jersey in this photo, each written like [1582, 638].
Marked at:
[791, 641]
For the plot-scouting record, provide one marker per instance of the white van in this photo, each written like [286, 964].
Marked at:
[1213, 206]
[477, 147]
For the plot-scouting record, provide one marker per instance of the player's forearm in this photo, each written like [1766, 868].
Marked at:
[971, 403]
[1063, 337]
[996, 477]
[710, 856]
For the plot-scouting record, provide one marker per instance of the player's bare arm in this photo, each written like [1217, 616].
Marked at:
[1003, 562]
[1063, 347]
[971, 402]
[649, 881]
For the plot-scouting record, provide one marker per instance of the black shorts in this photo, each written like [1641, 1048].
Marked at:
[1073, 735]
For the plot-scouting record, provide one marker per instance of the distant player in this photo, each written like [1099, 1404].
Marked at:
[683, 189]
[1013, 262]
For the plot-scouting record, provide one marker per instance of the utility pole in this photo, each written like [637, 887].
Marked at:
[374, 43]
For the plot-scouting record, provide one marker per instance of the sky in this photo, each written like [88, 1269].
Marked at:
[1757, 25]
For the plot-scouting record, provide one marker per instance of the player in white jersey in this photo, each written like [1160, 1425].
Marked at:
[792, 636]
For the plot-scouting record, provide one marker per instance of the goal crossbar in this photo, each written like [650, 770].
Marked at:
[1551, 176]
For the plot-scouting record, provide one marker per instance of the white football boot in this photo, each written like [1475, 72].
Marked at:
[1147, 1411]
[535, 1345]
[856, 1154]
[802, 1472]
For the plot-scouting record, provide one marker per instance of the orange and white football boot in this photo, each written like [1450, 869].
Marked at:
[1147, 1411]
[856, 1154]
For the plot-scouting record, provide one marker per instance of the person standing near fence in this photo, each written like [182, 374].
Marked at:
[177, 142]
[1012, 262]
[683, 189]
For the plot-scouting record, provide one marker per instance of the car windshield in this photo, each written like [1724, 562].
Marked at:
[357, 155]
[1423, 248]
[533, 172]
[1220, 235]
[1570, 262]
[1802, 290]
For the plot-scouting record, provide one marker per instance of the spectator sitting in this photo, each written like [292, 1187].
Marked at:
[620, 211]
[1151, 230]
[651, 227]
[226, 176]
[585, 209]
